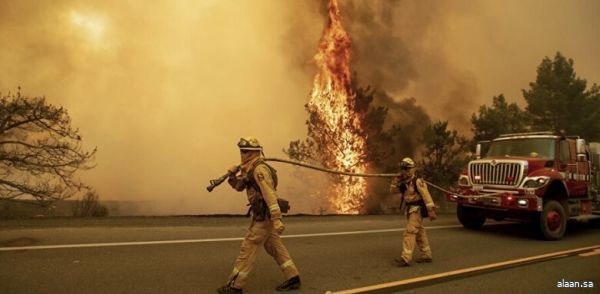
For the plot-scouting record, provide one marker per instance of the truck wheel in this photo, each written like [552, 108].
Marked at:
[553, 221]
[469, 217]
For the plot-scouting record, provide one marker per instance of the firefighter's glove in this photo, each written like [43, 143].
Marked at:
[278, 226]
[431, 213]
[233, 170]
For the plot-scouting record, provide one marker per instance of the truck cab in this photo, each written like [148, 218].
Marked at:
[543, 177]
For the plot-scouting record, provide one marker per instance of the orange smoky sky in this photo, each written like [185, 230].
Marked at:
[165, 89]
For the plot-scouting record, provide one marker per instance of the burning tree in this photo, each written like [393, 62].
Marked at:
[39, 150]
[346, 131]
[336, 138]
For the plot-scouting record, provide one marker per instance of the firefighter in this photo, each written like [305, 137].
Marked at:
[419, 204]
[259, 180]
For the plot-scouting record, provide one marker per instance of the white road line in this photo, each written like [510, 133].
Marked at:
[365, 232]
[208, 240]
[470, 270]
[592, 253]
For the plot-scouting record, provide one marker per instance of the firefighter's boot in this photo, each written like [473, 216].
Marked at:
[291, 284]
[400, 262]
[227, 289]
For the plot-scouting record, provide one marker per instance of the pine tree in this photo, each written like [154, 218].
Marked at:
[558, 100]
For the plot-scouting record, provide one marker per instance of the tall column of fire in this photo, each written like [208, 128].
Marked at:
[333, 119]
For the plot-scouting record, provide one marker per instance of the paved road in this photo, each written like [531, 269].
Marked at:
[201, 262]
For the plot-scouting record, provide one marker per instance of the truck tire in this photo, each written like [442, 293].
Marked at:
[469, 217]
[553, 221]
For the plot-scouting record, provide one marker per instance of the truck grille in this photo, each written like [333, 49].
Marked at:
[496, 172]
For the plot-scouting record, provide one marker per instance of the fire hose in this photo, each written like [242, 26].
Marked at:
[298, 163]
[218, 181]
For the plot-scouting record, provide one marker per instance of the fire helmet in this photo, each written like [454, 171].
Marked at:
[249, 143]
[407, 163]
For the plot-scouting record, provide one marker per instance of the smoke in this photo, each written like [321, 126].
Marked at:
[165, 90]
[454, 56]
[398, 50]
[407, 115]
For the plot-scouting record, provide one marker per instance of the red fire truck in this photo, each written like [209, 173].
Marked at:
[541, 177]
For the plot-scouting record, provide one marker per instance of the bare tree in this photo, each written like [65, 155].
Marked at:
[89, 206]
[39, 150]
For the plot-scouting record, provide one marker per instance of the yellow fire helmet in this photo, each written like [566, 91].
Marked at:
[249, 143]
[407, 162]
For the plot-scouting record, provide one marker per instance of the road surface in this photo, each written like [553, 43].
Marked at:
[333, 253]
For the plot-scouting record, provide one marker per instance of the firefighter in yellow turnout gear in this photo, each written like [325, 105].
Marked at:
[259, 180]
[419, 204]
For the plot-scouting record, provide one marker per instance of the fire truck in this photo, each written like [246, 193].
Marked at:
[543, 177]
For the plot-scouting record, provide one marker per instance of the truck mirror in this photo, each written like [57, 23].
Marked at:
[478, 151]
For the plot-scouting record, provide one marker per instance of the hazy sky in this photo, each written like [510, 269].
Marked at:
[165, 90]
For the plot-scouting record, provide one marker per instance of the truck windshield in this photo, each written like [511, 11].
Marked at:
[534, 147]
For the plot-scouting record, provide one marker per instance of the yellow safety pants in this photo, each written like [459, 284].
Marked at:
[261, 234]
[415, 235]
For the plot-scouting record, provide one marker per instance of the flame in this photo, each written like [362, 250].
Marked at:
[334, 119]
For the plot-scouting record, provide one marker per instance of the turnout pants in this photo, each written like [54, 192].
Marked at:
[261, 234]
[415, 235]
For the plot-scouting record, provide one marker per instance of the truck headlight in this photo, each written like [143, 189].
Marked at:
[463, 180]
[536, 182]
